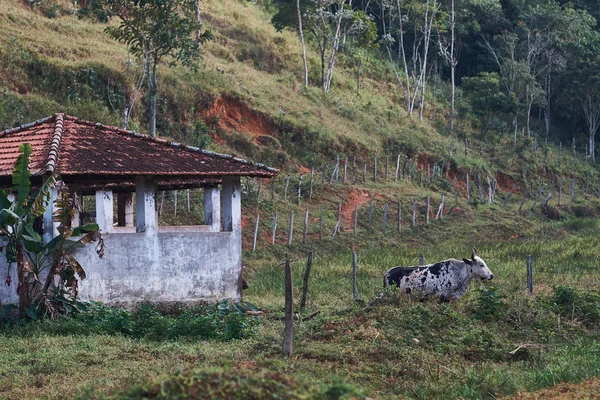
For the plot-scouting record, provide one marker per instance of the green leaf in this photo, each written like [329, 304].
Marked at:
[32, 233]
[53, 244]
[80, 230]
[32, 246]
[4, 201]
[21, 177]
[32, 312]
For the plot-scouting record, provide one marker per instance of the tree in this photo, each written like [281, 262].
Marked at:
[26, 248]
[397, 18]
[487, 98]
[363, 35]
[154, 29]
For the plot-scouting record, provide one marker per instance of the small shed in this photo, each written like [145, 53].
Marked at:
[143, 260]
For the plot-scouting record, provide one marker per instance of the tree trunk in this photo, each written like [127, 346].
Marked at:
[334, 48]
[151, 77]
[198, 21]
[301, 33]
[22, 285]
[453, 63]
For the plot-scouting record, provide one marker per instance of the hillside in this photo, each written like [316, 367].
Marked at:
[247, 98]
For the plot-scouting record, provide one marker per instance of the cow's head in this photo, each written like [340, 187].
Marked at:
[478, 266]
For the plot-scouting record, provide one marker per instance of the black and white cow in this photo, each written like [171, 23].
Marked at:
[447, 279]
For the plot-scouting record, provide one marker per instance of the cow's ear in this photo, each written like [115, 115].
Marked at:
[467, 261]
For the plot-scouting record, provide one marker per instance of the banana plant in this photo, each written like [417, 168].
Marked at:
[25, 247]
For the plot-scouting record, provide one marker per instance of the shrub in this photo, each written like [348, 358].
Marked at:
[489, 304]
[224, 321]
[574, 304]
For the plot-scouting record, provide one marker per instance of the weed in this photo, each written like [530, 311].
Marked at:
[489, 304]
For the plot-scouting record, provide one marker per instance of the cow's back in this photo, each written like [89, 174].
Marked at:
[393, 276]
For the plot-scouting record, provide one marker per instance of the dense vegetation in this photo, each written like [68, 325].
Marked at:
[247, 96]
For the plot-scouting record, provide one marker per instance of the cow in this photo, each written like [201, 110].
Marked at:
[448, 279]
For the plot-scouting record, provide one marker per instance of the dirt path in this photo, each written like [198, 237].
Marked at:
[565, 391]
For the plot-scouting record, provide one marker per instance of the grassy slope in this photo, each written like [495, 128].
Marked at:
[364, 346]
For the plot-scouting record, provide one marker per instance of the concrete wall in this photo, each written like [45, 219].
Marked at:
[164, 267]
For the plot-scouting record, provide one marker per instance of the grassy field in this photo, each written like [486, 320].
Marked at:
[248, 97]
[496, 341]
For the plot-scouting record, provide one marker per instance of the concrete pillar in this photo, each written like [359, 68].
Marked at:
[145, 205]
[77, 207]
[50, 228]
[212, 208]
[104, 210]
[125, 209]
[232, 204]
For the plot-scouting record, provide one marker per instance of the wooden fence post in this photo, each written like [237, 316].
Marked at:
[334, 174]
[354, 276]
[310, 190]
[274, 228]
[374, 168]
[345, 169]
[387, 161]
[355, 218]
[414, 212]
[273, 190]
[587, 184]
[305, 231]
[287, 182]
[364, 180]
[321, 223]
[510, 194]
[399, 216]
[187, 195]
[421, 259]
[560, 191]
[305, 284]
[255, 232]
[546, 200]
[385, 217]
[455, 190]
[468, 189]
[338, 225]
[291, 230]
[524, 200]
[480, 188]
[489, 190]
[288, 333]
[537, 197]
[427, 210]
[175, 203]
[397, 168]
[371, 214]
[257, 191]
[162, 201]
[299, 189]
[529, 275]
[440, 212]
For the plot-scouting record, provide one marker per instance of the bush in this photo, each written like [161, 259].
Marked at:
[224, 321]
[489, 304]
[583, 306]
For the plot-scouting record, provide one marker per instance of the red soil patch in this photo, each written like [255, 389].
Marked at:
[357, 198]
[584, 390]
[231, 114]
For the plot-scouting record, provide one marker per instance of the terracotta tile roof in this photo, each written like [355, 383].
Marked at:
[73, 147]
